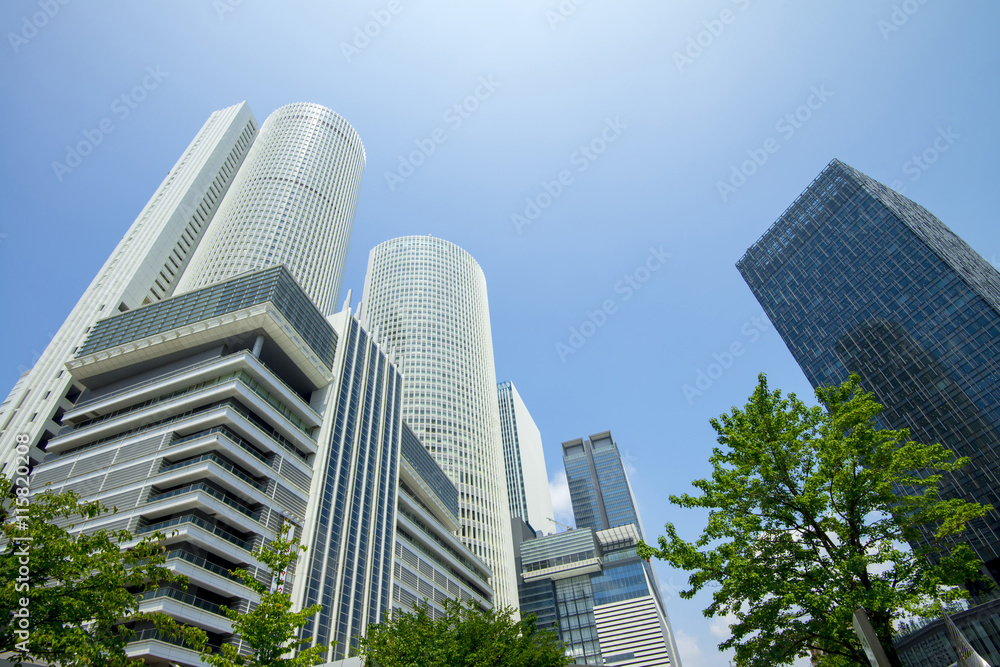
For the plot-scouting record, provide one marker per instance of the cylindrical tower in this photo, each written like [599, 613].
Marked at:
[427, 297]
[291, 203]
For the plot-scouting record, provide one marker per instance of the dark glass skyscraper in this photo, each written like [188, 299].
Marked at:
[599, 489]
[590, 582]
[858, 278]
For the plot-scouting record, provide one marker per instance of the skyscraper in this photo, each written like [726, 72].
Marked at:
[858, 278]
[381, 518]
[427, 298]
[292, 203]
[197, 417]
[350, 519]
[204, 409]
[589, 583]
[598, 485]
[143, 268]
[524, 461]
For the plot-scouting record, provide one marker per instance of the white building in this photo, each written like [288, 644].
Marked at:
[431, 563]
[427, 298]
[202, 386]
[524, 461]
[292, 203]
[203, 407]
[143, 269]
[201, 423]
[286, 195]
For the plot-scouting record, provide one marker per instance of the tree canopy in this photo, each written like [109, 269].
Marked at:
[70, 599]
[464, 636]
[809, 508]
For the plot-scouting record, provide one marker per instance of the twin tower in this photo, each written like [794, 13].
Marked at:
[205, 377]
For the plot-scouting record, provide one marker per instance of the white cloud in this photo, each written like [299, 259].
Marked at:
[562, 506]
[629, 461]
[669, 589]
[687, 646]
[720, 626]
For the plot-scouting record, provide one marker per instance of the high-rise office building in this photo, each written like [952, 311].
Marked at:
[210, 394]
[198, 417]
[143, 268]
[284, 196]
[221, 415]
[202, 409]
[350, 519]
[292, 203]
[431, 563]
[598, 484]
[524, 461]
[382, 515]
[426, 297]
[589, 583]
[858, 278]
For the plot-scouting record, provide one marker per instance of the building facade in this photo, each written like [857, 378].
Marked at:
[427, 298]
[524, 462]
[598, 484]
[195, 417]
[292, 203]
[857, 278]
[143, 268]
[931, 645]
[382, 515]
[431, 563]
[350, 519]
[592, 587]
[589, 583]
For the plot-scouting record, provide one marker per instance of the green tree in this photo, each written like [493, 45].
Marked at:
[464, 636]
[271, 629]
[808, 510]
[71, 599]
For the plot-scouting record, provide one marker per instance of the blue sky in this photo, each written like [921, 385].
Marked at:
[617, 120]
